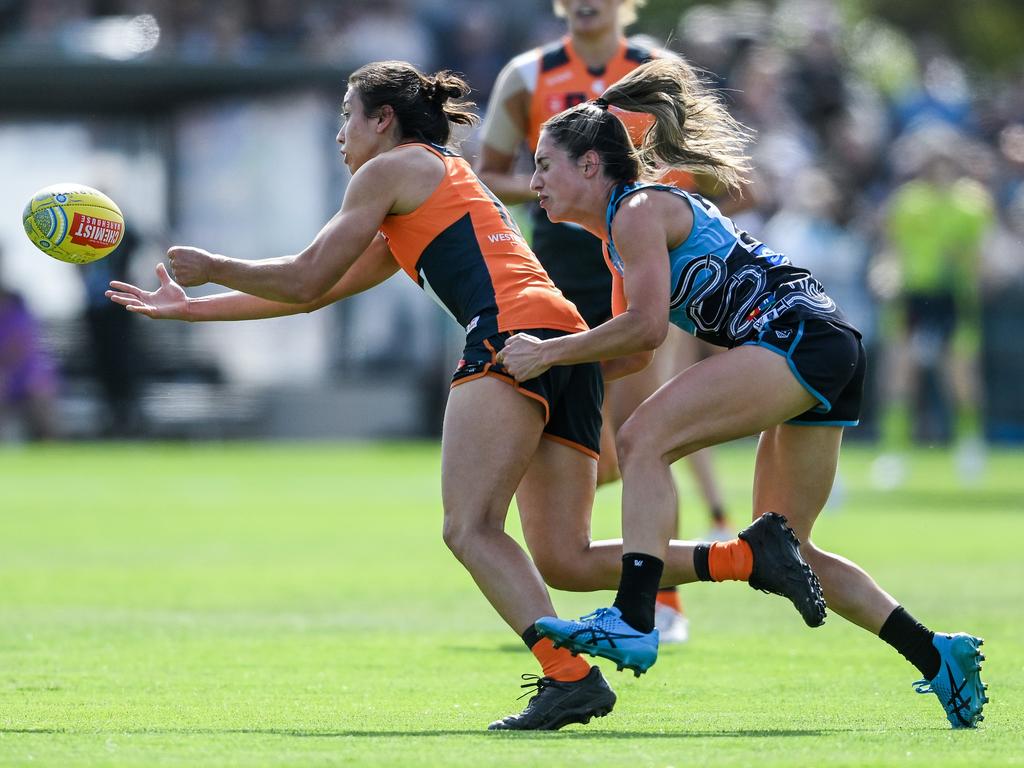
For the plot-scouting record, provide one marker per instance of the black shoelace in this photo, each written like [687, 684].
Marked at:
[537, 684]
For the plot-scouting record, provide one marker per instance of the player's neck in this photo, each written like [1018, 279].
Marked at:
[598, 48]
[590, 209]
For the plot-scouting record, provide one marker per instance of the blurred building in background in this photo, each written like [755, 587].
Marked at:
[213, 124]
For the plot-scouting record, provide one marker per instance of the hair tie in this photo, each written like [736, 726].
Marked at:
[600, 103]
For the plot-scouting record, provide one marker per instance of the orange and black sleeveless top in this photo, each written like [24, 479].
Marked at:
[562, 80]
[463, 248]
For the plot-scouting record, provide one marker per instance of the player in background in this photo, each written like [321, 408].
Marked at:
[531, 88]
[413, 204]
[935, 225]
[28, 375]
[793, 369]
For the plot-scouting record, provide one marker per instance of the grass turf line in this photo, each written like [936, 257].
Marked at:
[293, 605]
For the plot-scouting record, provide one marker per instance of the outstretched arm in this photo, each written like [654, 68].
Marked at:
[170, 302]
[304, 277]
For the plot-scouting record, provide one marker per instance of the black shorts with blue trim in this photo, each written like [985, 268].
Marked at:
[570, 394]
[828, 360]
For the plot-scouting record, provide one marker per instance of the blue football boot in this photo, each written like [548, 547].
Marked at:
[603, 633]
[958, 683]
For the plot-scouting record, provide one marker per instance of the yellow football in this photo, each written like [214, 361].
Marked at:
[73, 223]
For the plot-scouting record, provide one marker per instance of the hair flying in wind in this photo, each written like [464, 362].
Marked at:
[691, 129]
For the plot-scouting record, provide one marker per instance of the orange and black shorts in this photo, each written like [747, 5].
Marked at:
[571, 394]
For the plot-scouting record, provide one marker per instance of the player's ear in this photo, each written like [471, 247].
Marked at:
[591, 162]
[385, 117]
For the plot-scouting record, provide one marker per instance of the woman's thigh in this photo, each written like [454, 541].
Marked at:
[490, 435]
[555, 500]
[733, 394]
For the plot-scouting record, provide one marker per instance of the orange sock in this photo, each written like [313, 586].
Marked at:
[670, 597]
[559, 664]
[730, 560]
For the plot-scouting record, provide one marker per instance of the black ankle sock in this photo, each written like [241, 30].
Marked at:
[718, 515]
[531, 636]
[638, 589]
[664, 590]
[913, 640]
[700, 562]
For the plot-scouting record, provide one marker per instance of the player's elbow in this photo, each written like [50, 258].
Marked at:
[636, 363]
[301, 295]
[650, 332]
[307, 290]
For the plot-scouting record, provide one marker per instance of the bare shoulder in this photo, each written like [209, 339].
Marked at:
[406, 174]
[402, 162]
[651, 213]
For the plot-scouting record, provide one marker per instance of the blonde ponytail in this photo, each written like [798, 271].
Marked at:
[692, 130]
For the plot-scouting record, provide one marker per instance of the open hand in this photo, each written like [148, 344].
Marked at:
[523, 357]
[168, 302]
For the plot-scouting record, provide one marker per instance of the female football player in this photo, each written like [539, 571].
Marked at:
[413, 204]
[793, 370]
[531, 88]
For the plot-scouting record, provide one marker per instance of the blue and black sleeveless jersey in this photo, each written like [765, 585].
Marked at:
[725, 285]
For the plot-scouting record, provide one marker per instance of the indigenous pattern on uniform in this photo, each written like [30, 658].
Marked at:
[730, 289]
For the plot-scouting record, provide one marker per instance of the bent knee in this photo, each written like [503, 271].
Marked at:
[559, 572]
[454, 536]
[565, 578]
[635, 443]
[462, 537]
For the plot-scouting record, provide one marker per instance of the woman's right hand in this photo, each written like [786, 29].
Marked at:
[168, 302]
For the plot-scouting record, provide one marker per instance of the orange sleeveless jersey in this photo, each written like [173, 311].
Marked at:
[563, 81]
[463, 248]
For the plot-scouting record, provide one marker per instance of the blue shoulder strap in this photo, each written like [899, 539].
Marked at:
[619, 194]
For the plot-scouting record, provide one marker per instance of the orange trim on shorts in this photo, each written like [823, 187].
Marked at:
[492, 350]
[569, 443]
[508, 380]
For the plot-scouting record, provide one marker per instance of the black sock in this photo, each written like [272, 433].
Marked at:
[668, 589]
[718, 515]
[700, 562]
[531, 636]
[638, 589]
[913, 640]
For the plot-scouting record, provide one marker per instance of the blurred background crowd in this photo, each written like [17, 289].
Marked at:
[889, 160]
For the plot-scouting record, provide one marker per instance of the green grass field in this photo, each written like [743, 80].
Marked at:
[294, 605]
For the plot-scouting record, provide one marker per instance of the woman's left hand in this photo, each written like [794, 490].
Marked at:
[523, 357]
